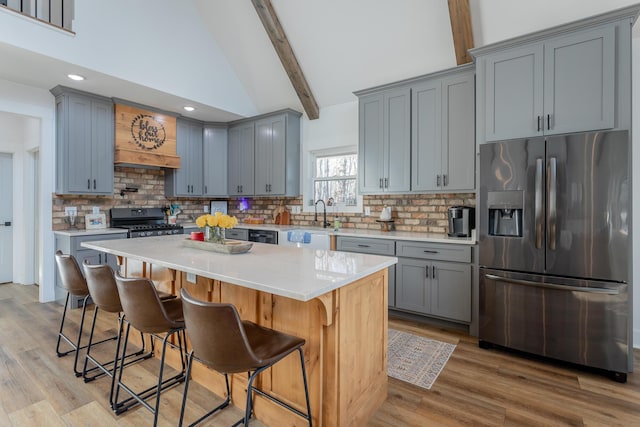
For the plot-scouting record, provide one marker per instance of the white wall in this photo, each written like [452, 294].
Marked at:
[32, 129]
[161, 44]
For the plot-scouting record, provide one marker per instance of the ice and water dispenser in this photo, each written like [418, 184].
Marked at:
[505, 213]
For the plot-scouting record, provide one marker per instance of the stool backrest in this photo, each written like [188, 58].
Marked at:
[142, 306]
[217, 335]
[102, 287]
[72, 279]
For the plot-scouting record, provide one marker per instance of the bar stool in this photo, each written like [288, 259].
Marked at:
[74, 283]
[227, 344]
[104, 293]
[145, 311]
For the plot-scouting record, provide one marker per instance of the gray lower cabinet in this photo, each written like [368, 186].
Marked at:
[563, 83]
[434, 279]
[241, 159]
[374, 247]
[443, 131]
[84, 142]
[384, 147]
[72, 245]
[237, 234]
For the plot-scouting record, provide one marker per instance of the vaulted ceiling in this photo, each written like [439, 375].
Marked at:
[341, 46]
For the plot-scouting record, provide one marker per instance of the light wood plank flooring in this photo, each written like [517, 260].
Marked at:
[476, 388]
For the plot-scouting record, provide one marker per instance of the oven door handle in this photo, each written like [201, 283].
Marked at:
[554, 286]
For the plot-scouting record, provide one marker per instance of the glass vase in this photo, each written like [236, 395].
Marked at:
[214, 234]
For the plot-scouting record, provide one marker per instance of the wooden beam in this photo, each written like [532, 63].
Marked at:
[271, 24]
[461, 28]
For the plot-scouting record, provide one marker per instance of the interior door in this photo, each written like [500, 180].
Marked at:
[6, 218]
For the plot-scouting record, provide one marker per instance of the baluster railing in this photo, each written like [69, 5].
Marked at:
[55, 12]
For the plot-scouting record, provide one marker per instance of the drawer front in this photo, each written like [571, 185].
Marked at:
[434, 251]
[76, 241]
[367, 246]
[237, 234]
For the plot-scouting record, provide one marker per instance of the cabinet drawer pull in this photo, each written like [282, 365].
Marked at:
[386, 183]
[438, 181]
[548, 121]
[444, 180]
[205, 189]
[433, 270]
[430, 252]
[363, 246]
[538, 123]
[89, 184]
[380, 185]
[94, 184]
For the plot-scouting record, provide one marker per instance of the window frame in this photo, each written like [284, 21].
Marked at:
[309, 192]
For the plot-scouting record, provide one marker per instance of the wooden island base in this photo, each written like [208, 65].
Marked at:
[345, 352]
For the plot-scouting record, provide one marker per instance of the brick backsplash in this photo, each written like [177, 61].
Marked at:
[410, 212]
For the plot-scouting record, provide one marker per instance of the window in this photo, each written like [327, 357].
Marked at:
[335, 176]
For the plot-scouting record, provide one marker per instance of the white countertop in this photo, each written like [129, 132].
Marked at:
[94, 232]
[292, 272]
[355, 232]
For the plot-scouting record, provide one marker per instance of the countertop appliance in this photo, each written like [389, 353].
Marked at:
[143, 222]
[554, 248]
[462, 219]
[263, 236]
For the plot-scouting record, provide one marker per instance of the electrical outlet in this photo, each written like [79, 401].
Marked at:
[206, 209]
[70, 211]
[367, 211]
[295, 209]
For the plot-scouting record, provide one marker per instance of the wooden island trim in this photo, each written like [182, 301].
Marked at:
[345, 354]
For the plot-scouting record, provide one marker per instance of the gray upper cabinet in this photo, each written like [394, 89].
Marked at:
[84, 143]
[187, 180]
[277, 148]
[384, 151]
[215, 161]
[264, 155]
[442, 137]
[571, 78]
[241, 159]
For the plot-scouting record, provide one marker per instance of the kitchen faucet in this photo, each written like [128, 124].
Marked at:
[325, 223]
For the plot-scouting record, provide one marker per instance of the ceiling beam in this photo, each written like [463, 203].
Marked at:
[461, 28]
[271, 24]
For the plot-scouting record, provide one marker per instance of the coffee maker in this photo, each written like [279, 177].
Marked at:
[462, 219]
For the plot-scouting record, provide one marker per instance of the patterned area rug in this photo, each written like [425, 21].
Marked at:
[416, 360]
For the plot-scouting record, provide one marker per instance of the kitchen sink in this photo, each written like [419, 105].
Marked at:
[305, 238]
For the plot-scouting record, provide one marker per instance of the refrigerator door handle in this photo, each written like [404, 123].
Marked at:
[552, 194]
[538, 204]
[554, 286]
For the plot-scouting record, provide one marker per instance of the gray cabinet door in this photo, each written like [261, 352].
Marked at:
[187, 180]
[579, 81]
[513, 93]
[458, 132]
[371, 143]
[195, 160]
[413, 285]
[241, 160]
[102, 137]
[392, 286]
[397, 140]
[78, 145]
[426, 137]
[214, 148]
[451, 291]
[270, 143]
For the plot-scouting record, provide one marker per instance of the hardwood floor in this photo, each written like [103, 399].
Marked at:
[477, 387]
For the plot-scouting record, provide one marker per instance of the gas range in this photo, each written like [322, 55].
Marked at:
[143, 222]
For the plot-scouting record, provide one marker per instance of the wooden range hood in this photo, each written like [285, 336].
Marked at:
[145, 137]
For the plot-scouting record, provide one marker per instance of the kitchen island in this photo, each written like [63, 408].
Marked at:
[336, 301]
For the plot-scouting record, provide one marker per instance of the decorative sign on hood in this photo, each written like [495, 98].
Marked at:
[145, 137]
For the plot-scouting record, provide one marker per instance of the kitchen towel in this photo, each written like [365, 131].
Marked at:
[299, 236]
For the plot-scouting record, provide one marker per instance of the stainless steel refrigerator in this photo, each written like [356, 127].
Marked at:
[555, 248]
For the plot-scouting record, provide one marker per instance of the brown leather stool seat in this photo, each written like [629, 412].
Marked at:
[222, 341]
[74, 283]
[104, 293]
[145, 311]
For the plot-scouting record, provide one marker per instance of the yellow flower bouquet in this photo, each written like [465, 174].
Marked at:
[214, 225]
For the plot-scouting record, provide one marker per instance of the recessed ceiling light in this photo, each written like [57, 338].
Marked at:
[189, 108]
[75, 77]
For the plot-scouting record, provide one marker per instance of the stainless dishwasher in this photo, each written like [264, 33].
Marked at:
[263, 236]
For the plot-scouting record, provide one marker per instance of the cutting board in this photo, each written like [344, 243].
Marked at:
[284, 218]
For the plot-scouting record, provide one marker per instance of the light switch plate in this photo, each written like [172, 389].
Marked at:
[367, 211]
[191, 277]
[206, 209]
[95, 210]
[70, 211]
